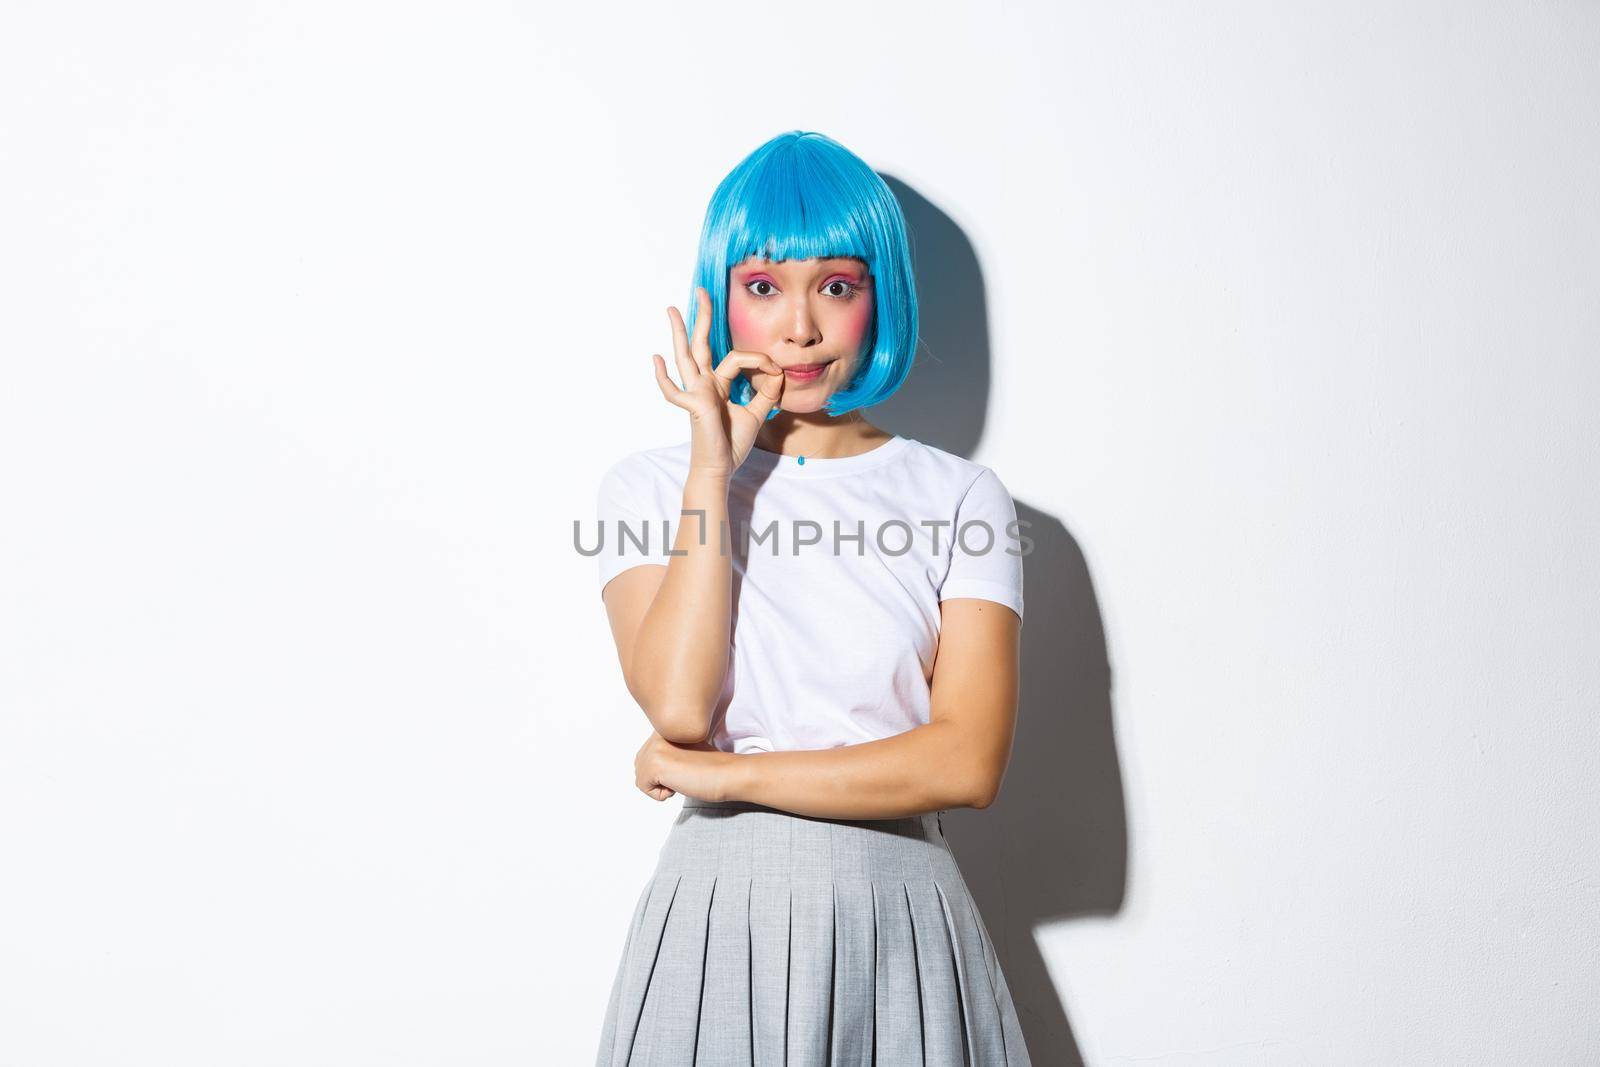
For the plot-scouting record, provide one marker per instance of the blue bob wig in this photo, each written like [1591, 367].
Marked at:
[805, 196]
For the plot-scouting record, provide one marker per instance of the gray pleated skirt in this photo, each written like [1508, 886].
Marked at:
[778, 940]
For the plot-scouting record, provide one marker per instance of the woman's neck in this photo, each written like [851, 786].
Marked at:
[820, 436]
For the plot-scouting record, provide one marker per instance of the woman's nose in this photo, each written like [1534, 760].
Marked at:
[803, 326]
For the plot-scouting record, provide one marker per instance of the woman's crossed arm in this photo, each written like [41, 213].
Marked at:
[957, 760]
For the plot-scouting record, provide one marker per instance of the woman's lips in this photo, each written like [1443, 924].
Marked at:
[805, 372]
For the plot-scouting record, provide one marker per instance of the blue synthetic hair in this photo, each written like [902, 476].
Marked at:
[806, 196]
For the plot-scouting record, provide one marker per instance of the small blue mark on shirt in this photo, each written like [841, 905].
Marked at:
[802, 460]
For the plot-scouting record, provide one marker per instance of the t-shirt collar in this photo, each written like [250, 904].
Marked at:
[779, 464]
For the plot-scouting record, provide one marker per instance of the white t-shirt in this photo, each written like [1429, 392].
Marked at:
[829, 647]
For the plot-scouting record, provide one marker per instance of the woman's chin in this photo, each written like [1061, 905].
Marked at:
[803, 402]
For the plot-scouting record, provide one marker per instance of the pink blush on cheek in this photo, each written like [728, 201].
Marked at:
[737, 320]
[857, 322]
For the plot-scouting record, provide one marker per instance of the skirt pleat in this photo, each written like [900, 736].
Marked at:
[726, 1002]
[810, 974]
[769, 972]
[897, 1018]
[770, 939]
[855, 986]
[943, 1022]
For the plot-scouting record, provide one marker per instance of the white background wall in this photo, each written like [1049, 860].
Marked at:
[321, 322]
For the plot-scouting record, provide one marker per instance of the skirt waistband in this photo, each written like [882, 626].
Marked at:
[743, 839]
[747, 805]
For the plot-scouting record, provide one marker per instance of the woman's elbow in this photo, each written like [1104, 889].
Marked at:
[983, 787]
[683, 721]
[681, 726]
[983, 798]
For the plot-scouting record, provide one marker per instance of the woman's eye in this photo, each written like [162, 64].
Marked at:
[838, 288]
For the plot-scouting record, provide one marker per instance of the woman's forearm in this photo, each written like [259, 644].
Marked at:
[928, 768]
[680, 656]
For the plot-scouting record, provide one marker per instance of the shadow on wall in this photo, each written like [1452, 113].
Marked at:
[1055, 844]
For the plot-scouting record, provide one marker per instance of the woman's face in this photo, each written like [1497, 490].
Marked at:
[802, 313]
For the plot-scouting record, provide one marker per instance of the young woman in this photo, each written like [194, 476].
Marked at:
[827, 649]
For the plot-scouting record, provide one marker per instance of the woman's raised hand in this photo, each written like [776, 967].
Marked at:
[722, 432]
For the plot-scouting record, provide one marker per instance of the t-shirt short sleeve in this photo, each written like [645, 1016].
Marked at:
[986, 546]
[630, 531]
